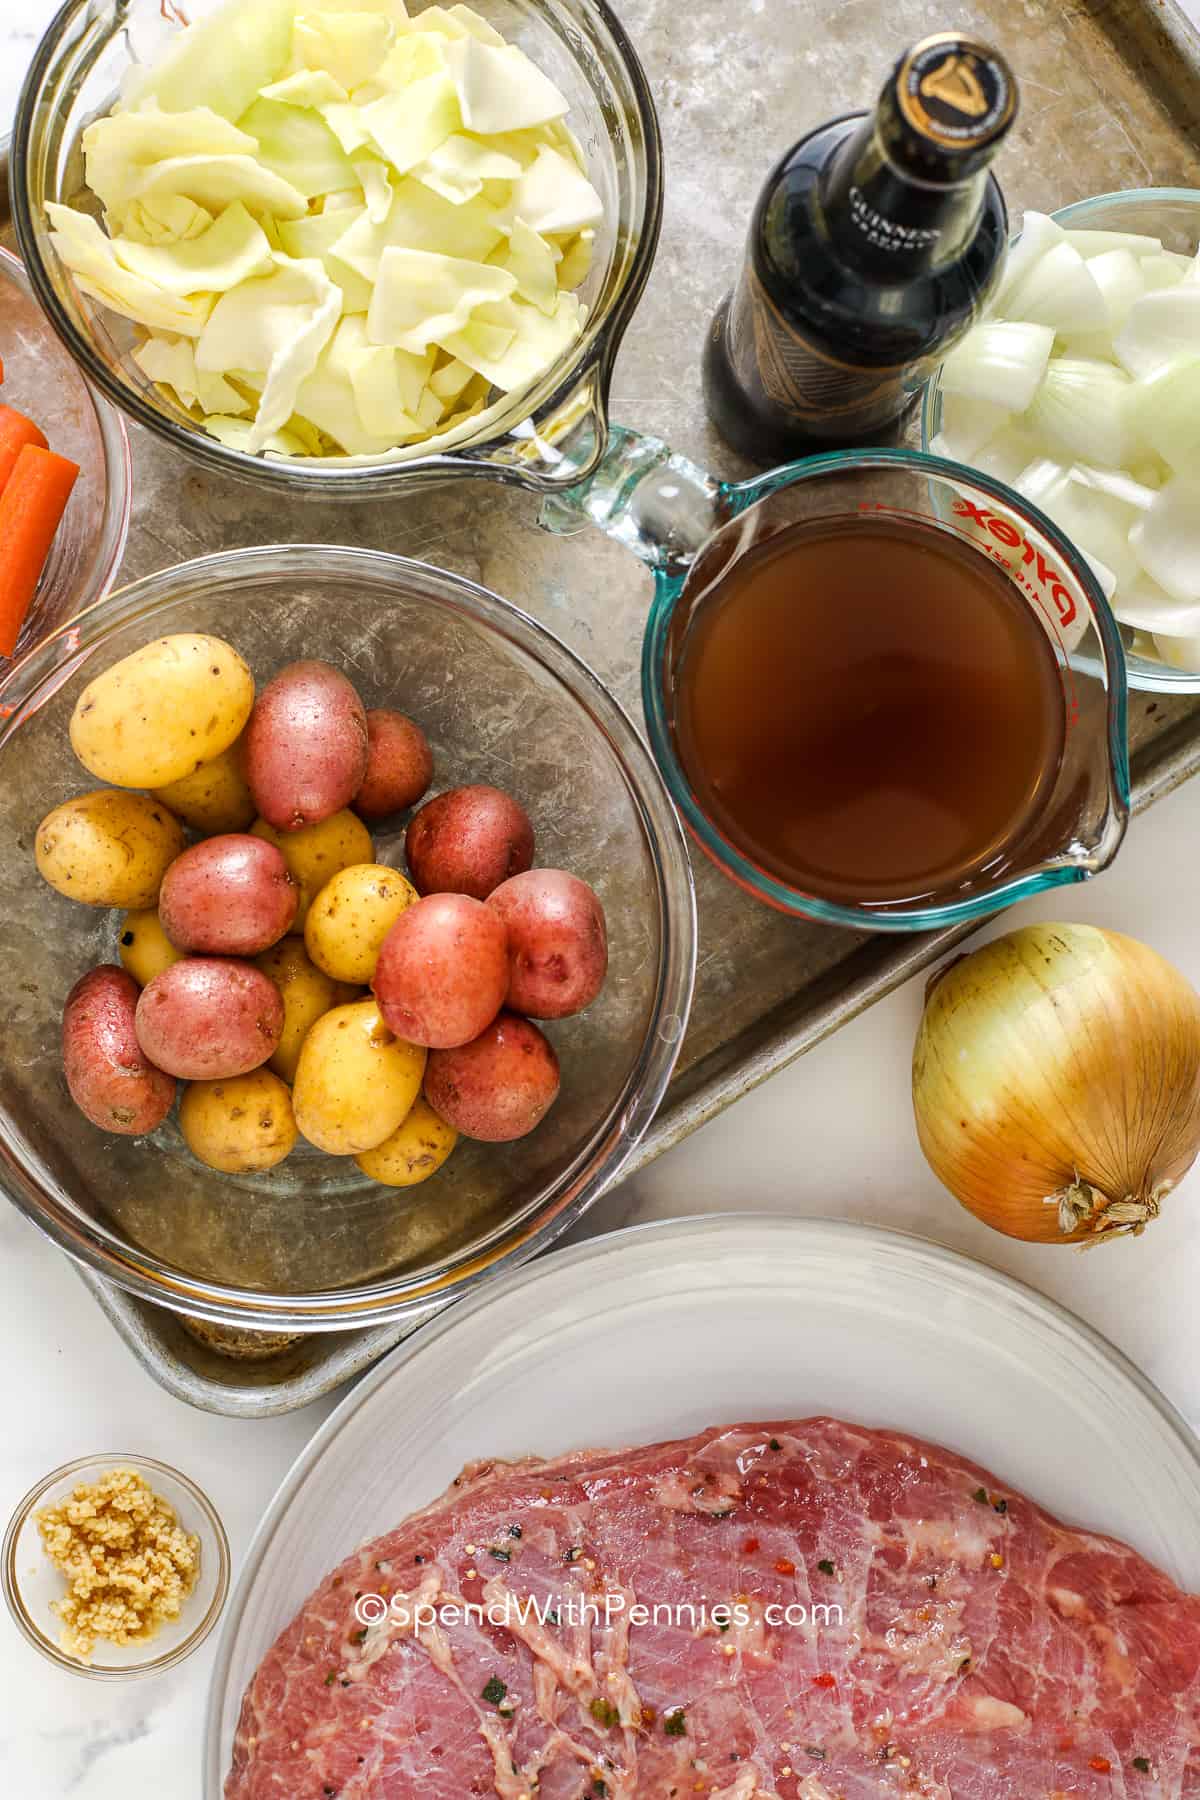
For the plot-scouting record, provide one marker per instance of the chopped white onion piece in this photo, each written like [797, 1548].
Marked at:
[1148, 607]
[1098, 243]
[1039, 233]
[1005, 455]
[1041, 480]
[1103, 574]
[1179, 653]
[1081, 411]
[1116, 484]
[1000, 362]
[1118, 275]
[1166, 538]
[1166, 411]
[1160, 272]
[1160, 329]
[967, 425]
[1059, 290]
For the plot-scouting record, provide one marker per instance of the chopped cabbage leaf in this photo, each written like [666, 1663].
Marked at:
[169, 219]
[171, 361]
[458, 168]
[411, 58]
[233, 249]
[347, 45]
[576, 264]
[409, 126]
[345, 120]
[500, 89]
[296, 144]
[316, 234]
[376, 186]
[118, 151]
[216, 181]
[222, 62]
[240, 434]
[313, 88]
[554, 196]
[537, 341]
[83, 247]
[422, 297]
[276, 325]
[449, 381]
[421, 220]
[534, 264]
[327, 398]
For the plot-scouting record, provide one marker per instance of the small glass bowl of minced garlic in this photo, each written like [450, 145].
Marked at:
[115, 1566]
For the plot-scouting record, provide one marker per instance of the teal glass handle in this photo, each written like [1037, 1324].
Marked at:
[660, 505]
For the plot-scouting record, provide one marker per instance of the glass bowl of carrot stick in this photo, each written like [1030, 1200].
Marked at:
[65, 477]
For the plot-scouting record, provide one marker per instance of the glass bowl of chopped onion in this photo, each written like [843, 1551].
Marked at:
[1080, 388]
[340, 252]
[115, 1566]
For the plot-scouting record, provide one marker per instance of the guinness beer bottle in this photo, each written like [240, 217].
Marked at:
[872, 247]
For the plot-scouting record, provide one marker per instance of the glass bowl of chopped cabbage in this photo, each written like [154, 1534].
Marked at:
[1080, 388]
[342, 250]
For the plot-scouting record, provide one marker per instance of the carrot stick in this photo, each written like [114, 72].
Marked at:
[15, 432]
[31, 506]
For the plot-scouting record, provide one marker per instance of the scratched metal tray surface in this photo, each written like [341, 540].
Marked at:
[1111, 99]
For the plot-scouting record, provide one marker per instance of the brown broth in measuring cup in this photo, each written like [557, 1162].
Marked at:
[870, 711]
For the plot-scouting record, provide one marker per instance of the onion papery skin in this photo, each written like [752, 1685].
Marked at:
[1055, 1055]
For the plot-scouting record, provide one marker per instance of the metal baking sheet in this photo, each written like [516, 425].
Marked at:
[1111, 99]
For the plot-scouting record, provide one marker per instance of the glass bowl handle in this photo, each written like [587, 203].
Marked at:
[659, 505]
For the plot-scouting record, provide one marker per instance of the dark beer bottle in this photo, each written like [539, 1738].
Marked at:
[873, 245]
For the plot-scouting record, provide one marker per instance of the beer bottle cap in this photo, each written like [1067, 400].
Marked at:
[946, 106]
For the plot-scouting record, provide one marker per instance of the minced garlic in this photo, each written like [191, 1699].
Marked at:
[128, 1563]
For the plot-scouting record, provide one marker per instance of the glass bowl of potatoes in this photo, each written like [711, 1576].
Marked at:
[232, 1214]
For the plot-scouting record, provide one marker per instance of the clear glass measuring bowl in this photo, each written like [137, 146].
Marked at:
[548, 435]
[692, 529]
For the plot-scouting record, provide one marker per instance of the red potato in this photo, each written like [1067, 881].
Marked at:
[305, 746]
[498, 1087]
[557, 942]
[228, 896]
[205, 1018]
[111, 1080]
[399, 765]
[467, 841]
[442, 972]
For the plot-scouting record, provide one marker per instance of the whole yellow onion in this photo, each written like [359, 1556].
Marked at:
[1056, 1082]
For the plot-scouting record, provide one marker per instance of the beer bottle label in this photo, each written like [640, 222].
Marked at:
[806, 386]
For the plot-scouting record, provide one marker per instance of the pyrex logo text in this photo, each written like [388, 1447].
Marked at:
[1005, 532]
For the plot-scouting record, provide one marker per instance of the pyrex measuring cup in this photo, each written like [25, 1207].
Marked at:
[691, 530]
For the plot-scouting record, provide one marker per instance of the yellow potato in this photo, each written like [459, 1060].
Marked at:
[355, 1082]
[316, 852]
[215, 797]
[144, 947]
[414, 1152]
[107, 848]
[307, 993]
[240, 1124]
[352, 915]
[156, 715]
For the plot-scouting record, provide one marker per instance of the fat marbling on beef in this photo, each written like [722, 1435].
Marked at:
[946, 1638]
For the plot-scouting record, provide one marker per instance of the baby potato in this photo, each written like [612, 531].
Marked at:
[213, 798]
[111, 1080]
[467, 841]
[239, 1125]
[442, 973]
[500, 1086]
[228, 896]
[307, 993]
[160, 713]
[306, 745]
[315, 853]
[356, 1082]
[107, 848]
[415, 1151]
[399, 764]
[557, 942]
[209, 1017]
[352, 915]
[144, 947]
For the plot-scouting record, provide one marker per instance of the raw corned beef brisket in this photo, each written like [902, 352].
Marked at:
[808, 1611]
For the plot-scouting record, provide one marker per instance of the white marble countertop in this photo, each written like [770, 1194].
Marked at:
[833, 1135]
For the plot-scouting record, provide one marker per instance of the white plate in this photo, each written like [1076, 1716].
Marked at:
[661, 1330]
